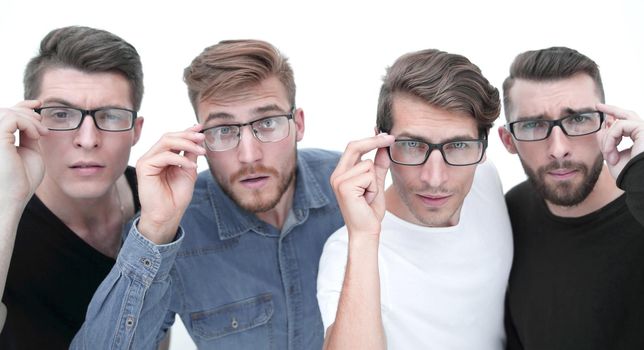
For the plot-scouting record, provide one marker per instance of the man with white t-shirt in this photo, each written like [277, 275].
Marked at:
[425, 263]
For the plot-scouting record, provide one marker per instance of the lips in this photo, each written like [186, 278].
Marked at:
[434, 200]
[254, 178]
[254, 181]
[86, 168]
[562, 173]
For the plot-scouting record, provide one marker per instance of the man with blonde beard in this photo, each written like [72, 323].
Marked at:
[243, 276]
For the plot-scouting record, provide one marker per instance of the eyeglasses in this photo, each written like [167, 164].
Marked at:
[578, 124]
[268, 129]
[458, 153]
[69, 118]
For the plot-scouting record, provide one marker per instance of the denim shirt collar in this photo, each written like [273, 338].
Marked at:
[233, 221]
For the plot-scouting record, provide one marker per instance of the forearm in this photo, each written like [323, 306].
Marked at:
[358, 322]
[129, 308]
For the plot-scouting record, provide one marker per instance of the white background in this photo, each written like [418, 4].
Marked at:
[338, 50]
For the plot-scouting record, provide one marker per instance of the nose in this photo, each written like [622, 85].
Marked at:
[249, 149]
[434, 171]
[87, 135]
[558, 144]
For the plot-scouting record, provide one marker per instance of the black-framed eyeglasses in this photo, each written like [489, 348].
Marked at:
[70, 118]
[578, 124]
[458, 153]
[272, 128]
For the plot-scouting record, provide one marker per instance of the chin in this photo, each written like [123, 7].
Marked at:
[436, 218]
[86, 191]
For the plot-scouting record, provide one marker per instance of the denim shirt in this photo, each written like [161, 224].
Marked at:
[236, 281]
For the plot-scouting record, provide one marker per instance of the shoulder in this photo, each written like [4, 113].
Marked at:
[315, 157]
[317, 164]
[203, 186]
[336, 248]
[519, 193]
[486, 183]
[319, 159]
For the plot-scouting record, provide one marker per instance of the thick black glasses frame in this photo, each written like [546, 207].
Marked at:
[92, 113]
[553, 123]
[439, 147]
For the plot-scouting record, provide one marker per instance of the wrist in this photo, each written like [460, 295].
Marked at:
[158, 232]
[363, 242]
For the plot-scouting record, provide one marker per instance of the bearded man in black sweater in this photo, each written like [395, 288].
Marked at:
[577, 280]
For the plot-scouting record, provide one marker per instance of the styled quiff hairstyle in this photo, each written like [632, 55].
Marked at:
[550, 64]
[88, 50]
[443, 80]
[232, 65]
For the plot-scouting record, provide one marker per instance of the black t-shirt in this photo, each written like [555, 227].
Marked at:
[578, 283]
[52, 278]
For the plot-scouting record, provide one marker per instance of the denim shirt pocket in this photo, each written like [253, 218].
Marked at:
[233, 318]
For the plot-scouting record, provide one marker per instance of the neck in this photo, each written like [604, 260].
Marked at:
[97, 221]
[604, 192]
[278, 214]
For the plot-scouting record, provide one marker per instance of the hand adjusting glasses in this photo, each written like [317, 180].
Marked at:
[578, 124]
[272, 128]
[69, 118]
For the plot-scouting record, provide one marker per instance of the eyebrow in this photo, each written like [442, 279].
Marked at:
[406, 136]
[258, 110]
[566, 111]
[65, 103]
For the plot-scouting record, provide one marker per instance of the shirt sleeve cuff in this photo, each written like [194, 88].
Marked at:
[146, 261]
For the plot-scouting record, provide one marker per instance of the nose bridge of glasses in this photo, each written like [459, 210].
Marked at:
[92, 114]
[433, 170]
[558, 142]
[435, 147]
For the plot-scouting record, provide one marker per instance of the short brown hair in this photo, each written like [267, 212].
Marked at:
[235, 64]
[88, 50]
[444, 80]
[550, 64]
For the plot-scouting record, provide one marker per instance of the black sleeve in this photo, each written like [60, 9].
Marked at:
[631, 180]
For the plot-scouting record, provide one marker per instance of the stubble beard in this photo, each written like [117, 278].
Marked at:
[253, 201]
[565, 193]
[430, 217]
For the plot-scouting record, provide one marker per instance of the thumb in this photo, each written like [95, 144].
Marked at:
[381, 164]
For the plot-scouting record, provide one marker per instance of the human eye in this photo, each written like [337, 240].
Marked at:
[224, 130]
[58, 113]
[579, 118]
[268, 123]
[409, 144]
[530, 125]
[457, 145]
[111, 116]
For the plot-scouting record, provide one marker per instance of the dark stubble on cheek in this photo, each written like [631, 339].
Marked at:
[565, 193]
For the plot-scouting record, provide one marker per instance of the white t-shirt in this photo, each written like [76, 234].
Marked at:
[441, 287]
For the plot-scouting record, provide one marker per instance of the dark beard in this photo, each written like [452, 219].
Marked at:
[565, 194]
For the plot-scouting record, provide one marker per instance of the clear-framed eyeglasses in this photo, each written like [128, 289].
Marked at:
[578, 124]
[458, 152]
[69, 118]
[272, 128]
